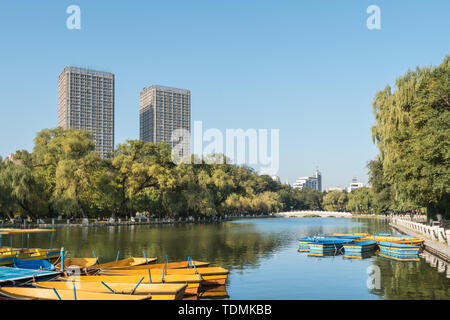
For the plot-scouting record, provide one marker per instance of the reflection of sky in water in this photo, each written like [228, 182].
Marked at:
[288, 274]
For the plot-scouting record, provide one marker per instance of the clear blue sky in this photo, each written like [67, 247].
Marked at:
[308, 68]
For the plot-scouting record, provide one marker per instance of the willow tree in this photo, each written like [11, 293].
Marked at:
[22, 191]
[139, 169]
[412, 132]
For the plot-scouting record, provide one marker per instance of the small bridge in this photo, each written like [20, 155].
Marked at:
[311, 213]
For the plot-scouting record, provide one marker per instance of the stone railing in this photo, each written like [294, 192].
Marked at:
[407, 217]
[432, 232]
[314, 213]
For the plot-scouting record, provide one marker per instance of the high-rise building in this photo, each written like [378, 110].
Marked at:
[86, 102]
[314, 182]
[318, 176]
[162, 110]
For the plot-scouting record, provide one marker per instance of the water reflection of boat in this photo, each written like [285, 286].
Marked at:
[217, 292]
[399, 257]
[328, 254]
[359, 256]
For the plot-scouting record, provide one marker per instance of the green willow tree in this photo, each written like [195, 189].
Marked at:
[412, 132]
[360, 200]
[335, 200]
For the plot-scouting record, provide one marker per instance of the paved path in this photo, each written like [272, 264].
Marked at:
[439, 249]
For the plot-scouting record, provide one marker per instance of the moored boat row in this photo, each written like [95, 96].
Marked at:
[133, 278]
[355, 245]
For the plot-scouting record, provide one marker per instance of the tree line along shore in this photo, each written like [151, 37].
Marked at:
[64, 176]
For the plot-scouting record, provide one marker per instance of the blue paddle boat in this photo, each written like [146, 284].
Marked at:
[33, 265]
[359, 246]
[327, 245]
[398, 248]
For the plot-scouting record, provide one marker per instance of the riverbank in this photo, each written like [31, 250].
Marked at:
[55, 223]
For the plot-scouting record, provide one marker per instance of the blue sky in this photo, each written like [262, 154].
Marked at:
[308, 68]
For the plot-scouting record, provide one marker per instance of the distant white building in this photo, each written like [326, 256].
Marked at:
[338, 188]
[276, 178]
[355, 185]
[314, 182]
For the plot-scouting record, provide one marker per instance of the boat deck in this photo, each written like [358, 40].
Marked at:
[10, 276]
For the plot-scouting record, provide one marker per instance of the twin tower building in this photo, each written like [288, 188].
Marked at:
[86, 102]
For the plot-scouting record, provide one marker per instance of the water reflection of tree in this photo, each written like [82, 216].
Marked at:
[413, 280]
[229, 245]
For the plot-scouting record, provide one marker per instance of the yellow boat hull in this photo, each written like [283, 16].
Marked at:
[124, 263]
[78, 263]
[162, 291]
[193, 281]
[403, 240]
[23, 293]
[7, 257]
[170, 265]
[210, 275]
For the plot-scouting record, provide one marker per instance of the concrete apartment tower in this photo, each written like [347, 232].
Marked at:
[86, 101]
[162, 110]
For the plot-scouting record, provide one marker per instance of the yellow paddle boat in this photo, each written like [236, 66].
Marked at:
[124, 263]
[77, 265]
[158, 291]
[210, 275]
[170, 265]
[23, 293]
[7, 255]
[193, 281]
[396, 239]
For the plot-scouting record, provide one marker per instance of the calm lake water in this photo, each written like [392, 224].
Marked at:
[262, 257]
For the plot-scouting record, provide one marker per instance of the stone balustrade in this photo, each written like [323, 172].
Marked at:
[314, 213]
